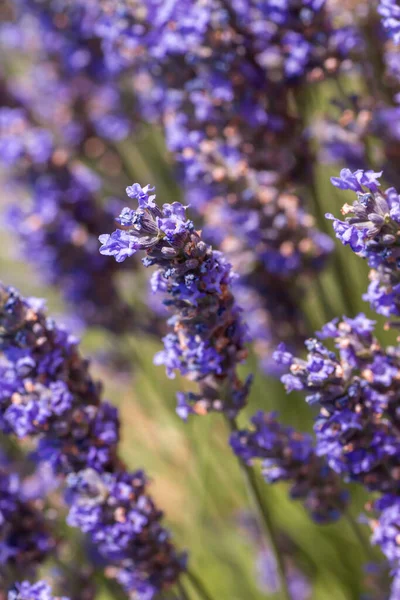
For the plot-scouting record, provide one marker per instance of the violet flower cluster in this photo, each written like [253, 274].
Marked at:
[25, 538]
[385, 533]
[67, 85]
[219, 108]
[390, 13]
[214, 75]
[356, 390]
[33, 591]
[207, 336]
[364, 419]
[60, 227]
[288, 455]
[371, 228]
[49, 394]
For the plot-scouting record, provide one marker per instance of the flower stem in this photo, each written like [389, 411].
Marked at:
[183, 595]
[360, 535]
[327, 308]
[198, 585]
[264, 518]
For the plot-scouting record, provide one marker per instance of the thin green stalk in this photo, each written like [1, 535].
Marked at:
[182, 592]
[198, 586]
[327, 308]
[360, 535]
[264, 519]
[341, 275]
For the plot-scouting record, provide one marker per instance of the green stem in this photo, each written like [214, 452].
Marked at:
[198, 586]
[361, 537]
[182, 592]
[341, 274]
[264, 519]
[327, 308]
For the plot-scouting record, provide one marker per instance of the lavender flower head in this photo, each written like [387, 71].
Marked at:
[207, 335]
[33, 591]
[47, 393]
[372, 230]
[385, 533]
[25, 539]
[288, 455]
[59, 225]
[390, 13]
[356, 389]
[124, 525]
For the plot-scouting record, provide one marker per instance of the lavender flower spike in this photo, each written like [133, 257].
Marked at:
[288, 455]
[357, 389]
[390, 12]
[33, 591]
[25, 539]
[386, 534]
[207, 335]
[372, 230]
[47, 393]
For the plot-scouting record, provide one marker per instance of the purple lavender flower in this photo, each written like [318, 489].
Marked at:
[356, 389]
[120, 518]
[25, 539]
[219, 108]
[386, 534]
[207, 335]
[49, 394]
[390, 13]
[288, 455]
[33, 591]
[59, 229]
[372, 229]
[47, 390]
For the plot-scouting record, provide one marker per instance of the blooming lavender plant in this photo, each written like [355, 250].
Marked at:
[207, 336]
[60, 228]
[25, 538]
[288, 455]
[48, 392]
[67, 87]
[371, 229]
[33, 591]
[390, 13]
[229, 123]
[356, 390]
[386, 535]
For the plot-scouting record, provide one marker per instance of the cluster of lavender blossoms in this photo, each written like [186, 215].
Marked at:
[25, 538]
[33, 591]
[219, 78]
[357, 428]
[207, 336]
[390, 13]
[356, 390]
[59, 224]
[64, 108]
[49, 394]
[288, 455]
[372, 228]
[223, 96]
